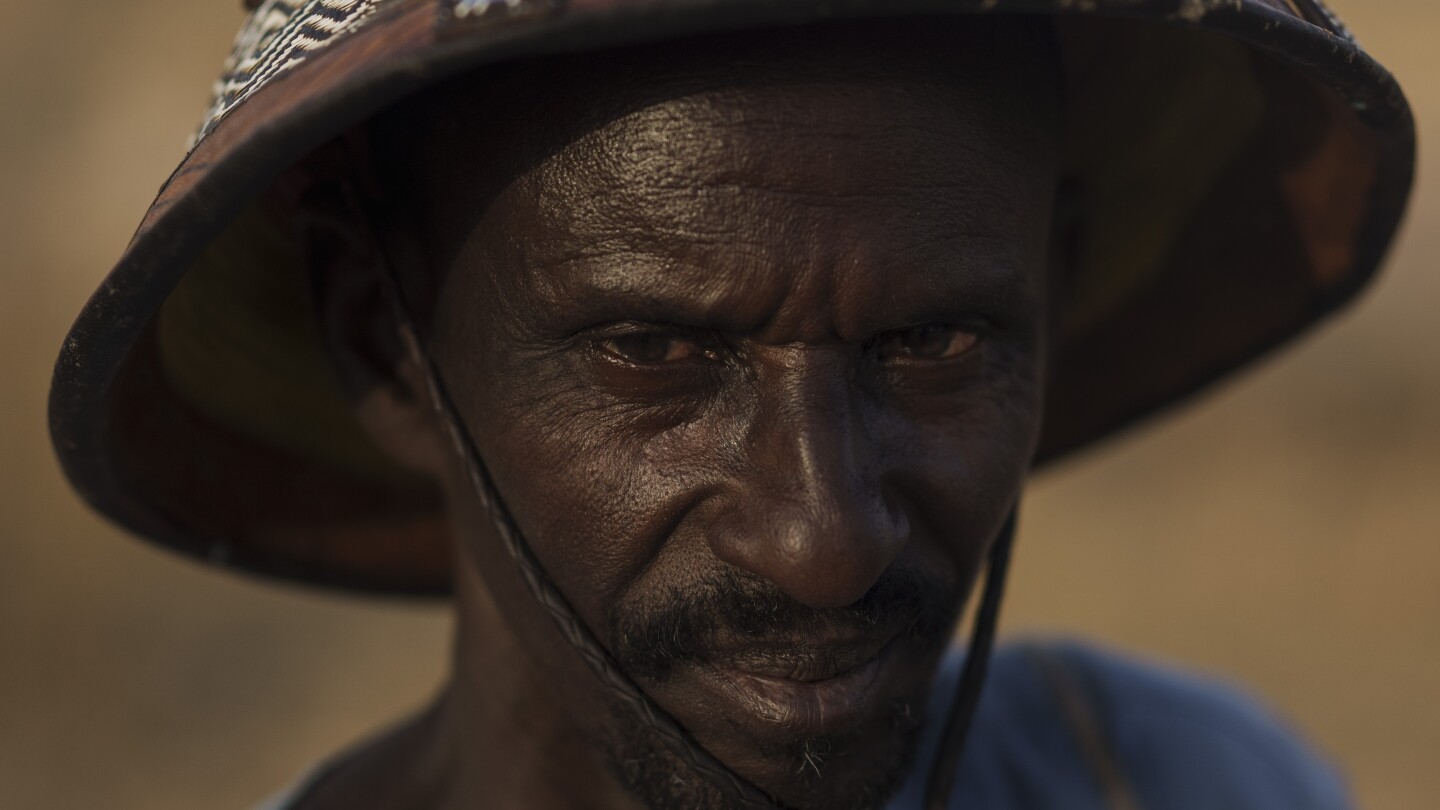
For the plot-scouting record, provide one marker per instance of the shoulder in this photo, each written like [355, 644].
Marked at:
[1177, 739]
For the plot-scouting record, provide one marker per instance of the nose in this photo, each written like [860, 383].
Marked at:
[807, 508]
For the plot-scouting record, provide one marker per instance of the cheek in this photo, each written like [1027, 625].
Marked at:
[596, 484]
[596, 494]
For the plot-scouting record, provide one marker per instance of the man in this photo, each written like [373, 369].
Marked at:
[701, 352]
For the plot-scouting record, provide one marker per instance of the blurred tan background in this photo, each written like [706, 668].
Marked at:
[1284, 533]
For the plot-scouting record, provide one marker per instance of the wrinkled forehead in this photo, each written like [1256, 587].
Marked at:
[817, 136]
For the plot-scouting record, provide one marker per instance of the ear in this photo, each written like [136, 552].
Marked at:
[357, 308]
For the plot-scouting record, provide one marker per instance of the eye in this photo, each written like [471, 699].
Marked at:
[928, 343]
[656, 348]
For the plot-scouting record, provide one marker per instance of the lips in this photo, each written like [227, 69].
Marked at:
[809, 689]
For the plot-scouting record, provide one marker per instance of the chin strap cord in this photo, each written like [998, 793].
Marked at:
[599, 660]
[946, 765]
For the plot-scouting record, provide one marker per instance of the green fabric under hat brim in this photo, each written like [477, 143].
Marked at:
[1241, 168]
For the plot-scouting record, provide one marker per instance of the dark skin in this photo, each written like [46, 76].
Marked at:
[752, 340]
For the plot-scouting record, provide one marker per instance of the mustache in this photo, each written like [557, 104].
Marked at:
[650, 637]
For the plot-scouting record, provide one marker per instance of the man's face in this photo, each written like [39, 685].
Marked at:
[754, 353]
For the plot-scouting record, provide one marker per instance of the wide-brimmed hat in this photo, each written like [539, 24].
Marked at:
[1240, 167]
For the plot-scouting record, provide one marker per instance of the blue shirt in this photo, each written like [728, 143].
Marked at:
[1066, 725]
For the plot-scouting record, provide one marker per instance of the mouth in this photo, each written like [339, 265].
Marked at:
[814, 689]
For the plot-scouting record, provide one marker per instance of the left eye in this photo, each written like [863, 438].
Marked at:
[653, 348]
[925, 343]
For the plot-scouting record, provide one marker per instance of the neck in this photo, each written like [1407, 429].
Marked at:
[508, 738]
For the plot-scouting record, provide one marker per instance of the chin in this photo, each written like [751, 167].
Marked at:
[830, 773]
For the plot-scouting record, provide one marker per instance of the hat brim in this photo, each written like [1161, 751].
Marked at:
[1284, 190]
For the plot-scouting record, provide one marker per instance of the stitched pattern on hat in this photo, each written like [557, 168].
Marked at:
[277, 36]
